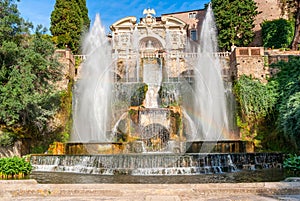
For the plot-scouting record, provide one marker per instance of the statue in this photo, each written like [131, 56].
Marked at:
[148, 12]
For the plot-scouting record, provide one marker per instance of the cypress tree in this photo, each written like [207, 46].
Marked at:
[68, 21]
[84, 14]
[235, 22]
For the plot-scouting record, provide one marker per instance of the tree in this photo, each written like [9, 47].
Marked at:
[84, 15]
[296, 40]
[292, 8]
[235, 22]
[277, 33]
[69, 20]
[271, 112]
[12, 26]
[28, 72]
[288, 103]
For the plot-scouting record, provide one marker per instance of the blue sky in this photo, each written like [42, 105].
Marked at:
[39, 11]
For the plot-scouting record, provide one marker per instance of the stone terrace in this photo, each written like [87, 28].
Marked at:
[264, 191]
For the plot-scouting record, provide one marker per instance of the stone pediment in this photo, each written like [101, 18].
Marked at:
[173, 21]
[124, 22]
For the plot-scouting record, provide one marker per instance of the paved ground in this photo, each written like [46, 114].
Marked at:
[264, 191]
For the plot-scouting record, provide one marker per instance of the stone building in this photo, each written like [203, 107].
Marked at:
[249, 61]
[66, 58]
[162, 37]
[268, 10]
[255, 62]
[193, 19]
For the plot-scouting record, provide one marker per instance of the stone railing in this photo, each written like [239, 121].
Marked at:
[170, 55]
[81, 57]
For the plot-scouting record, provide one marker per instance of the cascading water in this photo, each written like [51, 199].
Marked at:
[93, 89]
[209, 94]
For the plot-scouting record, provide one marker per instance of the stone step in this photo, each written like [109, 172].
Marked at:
[30, 190]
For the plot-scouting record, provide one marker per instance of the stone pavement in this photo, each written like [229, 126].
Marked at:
[21, 190]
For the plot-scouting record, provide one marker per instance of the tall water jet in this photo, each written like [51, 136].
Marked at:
[210, 101]
[93, 89]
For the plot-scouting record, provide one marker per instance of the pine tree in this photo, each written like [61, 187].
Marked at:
[69, 20]
[235, 22]
[12, 26]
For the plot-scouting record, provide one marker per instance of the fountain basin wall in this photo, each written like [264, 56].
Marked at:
[195, 147]
[222, 146]
[94, 148]
[155, 164]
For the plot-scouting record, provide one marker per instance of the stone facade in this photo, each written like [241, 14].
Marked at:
[153, 37]
[66, 58]
[193, 19]
[255, 62]
[248, 61]
[268, 10]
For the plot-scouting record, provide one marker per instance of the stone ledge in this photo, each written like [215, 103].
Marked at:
[30, 188]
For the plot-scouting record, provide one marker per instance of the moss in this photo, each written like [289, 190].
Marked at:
[64, 115]
[139, 95]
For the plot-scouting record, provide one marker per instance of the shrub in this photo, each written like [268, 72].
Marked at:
[292, 165]
[14, 168]
[277, 33]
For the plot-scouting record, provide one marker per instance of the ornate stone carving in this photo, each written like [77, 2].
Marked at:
[149, 19]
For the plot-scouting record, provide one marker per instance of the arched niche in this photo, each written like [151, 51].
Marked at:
[150, 42]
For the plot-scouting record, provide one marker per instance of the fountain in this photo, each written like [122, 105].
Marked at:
[144, 105]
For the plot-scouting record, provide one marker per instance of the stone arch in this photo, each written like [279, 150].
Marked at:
[155, 136]
[153, 130]
[158, 41]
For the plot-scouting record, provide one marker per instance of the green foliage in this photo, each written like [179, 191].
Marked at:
[66, 112]
[235, 22]
[84, 15]
[12, 26]
[270, 112]
[7, 139]
[288, 104]
[38, 149]
[139, 95]
[28, 71]
[256, 100]
[26, 78]
[292, 165]
[277, 33]
[14, 167]
[69, 20]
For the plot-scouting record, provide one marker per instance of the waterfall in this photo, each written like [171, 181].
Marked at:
[155, 164]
